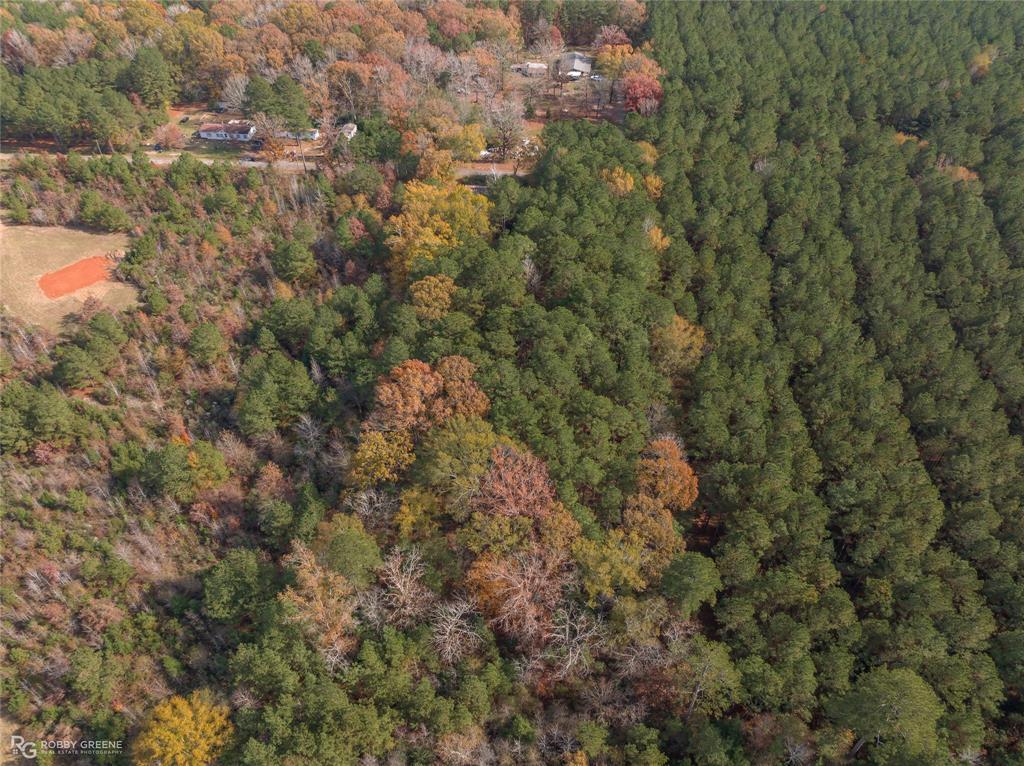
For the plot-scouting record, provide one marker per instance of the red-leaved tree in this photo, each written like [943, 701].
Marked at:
[406, 398]
[643, 93]
[516, 484]
[519, 593]
[462, 395]
[413, 397]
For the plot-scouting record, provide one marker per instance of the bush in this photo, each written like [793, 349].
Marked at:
[207, 344]
[293, 261]
[97, 213]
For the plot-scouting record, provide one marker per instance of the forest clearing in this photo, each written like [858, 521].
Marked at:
[48, 272]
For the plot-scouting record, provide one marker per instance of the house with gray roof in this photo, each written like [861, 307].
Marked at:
[574, 65]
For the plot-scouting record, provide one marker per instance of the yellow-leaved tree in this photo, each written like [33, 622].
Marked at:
[381, 457]
[659, 241]
[654, 186]
[620, 181]
[184, 731]
[465, 142]
[432, 296]
[611, 60]
[678, 346]
[435, 218]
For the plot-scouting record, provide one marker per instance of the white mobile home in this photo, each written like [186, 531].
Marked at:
[233, 130]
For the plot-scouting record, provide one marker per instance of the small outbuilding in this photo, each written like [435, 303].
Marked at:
[349, 130]
[531, 68]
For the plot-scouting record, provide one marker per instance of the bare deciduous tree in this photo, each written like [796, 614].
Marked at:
[371, 608]
[571, 639]
[19, 50]
[302, 70]
[520, 592]
[637, 659]
[74, 47]
[270, 128]
[237, 453]
[406, 598]
[505, 122]
[170, 137]
[374, 507]
[531, 274]
[309, 435]
[798, 753]
[464, 73]
[547, 41]
[504, 50]
[232, 95]
[453, 632]
[423, 61]
[244, 698]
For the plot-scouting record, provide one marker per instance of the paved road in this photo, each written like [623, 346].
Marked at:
[464, 171]
[290, 166]
[287, 166]
[166, 158]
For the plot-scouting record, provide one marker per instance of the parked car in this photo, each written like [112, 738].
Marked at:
[158, 147]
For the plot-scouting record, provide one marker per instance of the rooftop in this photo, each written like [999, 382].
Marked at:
[574, 61]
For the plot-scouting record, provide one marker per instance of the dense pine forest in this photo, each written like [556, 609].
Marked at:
[697, 440]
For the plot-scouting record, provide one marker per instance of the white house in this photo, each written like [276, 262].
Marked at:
[349, 130]
[312, 134]
[232, 130]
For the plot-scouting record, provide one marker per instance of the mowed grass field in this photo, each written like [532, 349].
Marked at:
[31, 253]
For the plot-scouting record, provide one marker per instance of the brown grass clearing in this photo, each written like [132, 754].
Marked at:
[51, 255]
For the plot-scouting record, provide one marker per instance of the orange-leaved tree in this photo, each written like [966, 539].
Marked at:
[634, 555]
[410, 400]
[648, 523]
[520, 592]
[415, 397]
[322, 602]
[664, 474]
[462, 395]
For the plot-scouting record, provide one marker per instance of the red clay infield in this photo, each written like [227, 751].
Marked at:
[83, 273]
